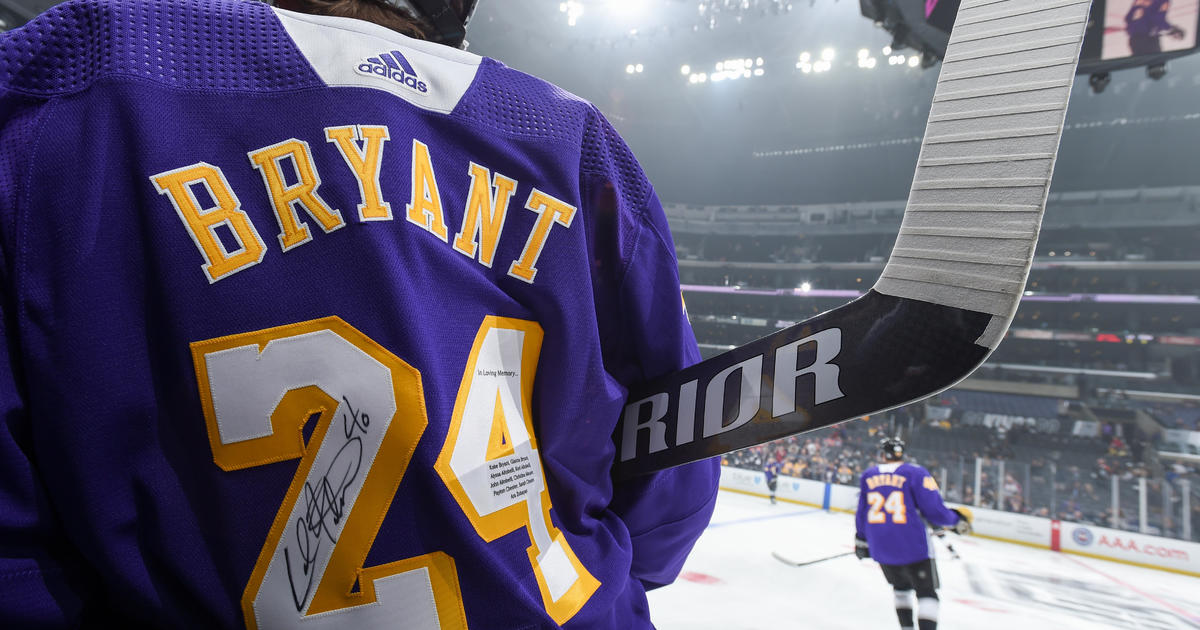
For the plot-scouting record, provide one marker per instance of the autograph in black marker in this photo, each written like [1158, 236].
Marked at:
[325, 503]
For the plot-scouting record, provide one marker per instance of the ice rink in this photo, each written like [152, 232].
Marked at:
[732, 582]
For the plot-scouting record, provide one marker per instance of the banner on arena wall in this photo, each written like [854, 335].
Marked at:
[801, 490]
[938, 413]
[742, 480]
[1176, 340]
[1180, 436]
[1167, 553]
[1032, 530]
[843, 498]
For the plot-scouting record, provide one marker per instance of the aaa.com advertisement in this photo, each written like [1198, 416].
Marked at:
[1167, 553]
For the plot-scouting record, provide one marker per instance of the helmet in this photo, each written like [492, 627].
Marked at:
[449, 26]
[892, 448]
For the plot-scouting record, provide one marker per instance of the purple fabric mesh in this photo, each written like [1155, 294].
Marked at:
[605, 153]
[517, 103]
[214, 44]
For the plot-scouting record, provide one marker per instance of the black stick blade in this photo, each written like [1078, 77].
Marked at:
[873, 354]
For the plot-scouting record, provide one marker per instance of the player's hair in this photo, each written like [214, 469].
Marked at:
[380, 12]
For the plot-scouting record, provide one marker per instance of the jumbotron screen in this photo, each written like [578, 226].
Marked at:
[1134, 28]
[1120, 29]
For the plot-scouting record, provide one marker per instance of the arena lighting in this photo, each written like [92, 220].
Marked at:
[732, 69]
[1099, 82]
[1156, 71]
[573, 10]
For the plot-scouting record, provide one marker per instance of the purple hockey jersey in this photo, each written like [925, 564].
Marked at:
[307, 324]
[894, 503]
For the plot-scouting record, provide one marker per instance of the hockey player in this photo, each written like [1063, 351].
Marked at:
[771, 471]
[896, 499]
[308, 323]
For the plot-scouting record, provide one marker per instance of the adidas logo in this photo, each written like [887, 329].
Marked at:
[392, 65]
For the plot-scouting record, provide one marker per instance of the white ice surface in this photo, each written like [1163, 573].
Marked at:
[732, 582]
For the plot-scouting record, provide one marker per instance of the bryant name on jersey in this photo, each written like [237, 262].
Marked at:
[292, 180]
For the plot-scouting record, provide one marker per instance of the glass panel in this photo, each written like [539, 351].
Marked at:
[1128, 498]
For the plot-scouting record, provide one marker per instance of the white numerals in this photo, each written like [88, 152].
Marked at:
[491, 464]
[258, 390]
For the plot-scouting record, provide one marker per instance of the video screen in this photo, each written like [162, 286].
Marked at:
[930, 5]
[1134, 28]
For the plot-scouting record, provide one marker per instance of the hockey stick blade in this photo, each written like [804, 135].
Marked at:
[793, 563]
[951, 285]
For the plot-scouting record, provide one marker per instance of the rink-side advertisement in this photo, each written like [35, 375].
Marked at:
[1088, 540]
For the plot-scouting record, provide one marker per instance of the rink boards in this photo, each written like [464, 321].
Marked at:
[1154, 552]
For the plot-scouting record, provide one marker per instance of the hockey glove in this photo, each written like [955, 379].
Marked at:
[861, 550]
[963, 526]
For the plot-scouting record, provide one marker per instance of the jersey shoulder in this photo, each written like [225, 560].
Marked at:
[184, 43]
[512, 102]
[521, 105]
[909, 469]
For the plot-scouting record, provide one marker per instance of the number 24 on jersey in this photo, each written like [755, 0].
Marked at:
[259, 389]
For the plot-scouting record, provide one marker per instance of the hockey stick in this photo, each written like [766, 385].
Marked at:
[940, 534]
[793, 563]
[953, 281]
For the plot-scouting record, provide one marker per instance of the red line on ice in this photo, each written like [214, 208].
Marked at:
[699, 578]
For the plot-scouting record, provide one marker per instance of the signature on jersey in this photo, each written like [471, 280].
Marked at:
[325, 504]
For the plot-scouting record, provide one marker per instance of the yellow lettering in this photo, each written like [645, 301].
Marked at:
[201, 223]
[365, 164]
[885, 479]
[483, 221]
[560, 212]
[425, 209]
[269, 162]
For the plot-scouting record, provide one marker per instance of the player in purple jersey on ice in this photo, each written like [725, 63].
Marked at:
[309, 323]
[771, 471]
[896, 499]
